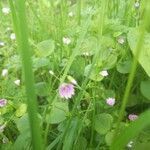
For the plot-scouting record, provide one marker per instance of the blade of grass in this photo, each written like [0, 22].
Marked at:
[22, 39]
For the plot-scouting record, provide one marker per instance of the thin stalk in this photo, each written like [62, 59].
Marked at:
[79, 12]
[24, 48]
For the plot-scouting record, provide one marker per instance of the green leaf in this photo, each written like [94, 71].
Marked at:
[40, 62]
[21, 110]
[145, 89]
[124, 67]
[144, 58]
[103, 123]
[95, 76]
[23, 124]
[45, 48]
[109, 137]
[41, 89]
[58, 113]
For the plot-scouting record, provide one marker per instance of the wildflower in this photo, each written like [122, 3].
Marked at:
[6, 10]
[51, 72]
[72, 80]
[4, 72]
[129, 145]
[2, 127]
[66, 90]
[136, 4]
[5, 140]
[17, 82]
[3, 102]
[121, 40]
[132, 117]
[70, 14]
[86, 54]
[2, 44]
[104, 73]
[12, 36]
[110, 101]
[66, 40]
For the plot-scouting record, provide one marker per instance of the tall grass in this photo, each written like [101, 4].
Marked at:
[20, 26]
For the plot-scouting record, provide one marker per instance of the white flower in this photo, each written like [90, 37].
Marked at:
[6, 10]
[2, 127]
[8, 29]
[66, 40]
[12, 36]
[2, 44]
[129, 145]
[70, 14]
[4, 72]
[17, 82]
[137, 4]
[51, 72]
[110, 101]
[104, 73]
[121, 40]
[86, 54]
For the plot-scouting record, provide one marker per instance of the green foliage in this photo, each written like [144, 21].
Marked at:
[101, 35]
[144, 58]
[58, 113]
[45, 48]
[145, 89]
[103, 123]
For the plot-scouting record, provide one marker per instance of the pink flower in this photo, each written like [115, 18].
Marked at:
[110, 101]
[3, 102]
[66, 90]
[132, 117]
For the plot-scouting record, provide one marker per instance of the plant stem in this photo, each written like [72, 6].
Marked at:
[22, 39]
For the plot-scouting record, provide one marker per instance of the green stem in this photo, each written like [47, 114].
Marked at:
[22, 39]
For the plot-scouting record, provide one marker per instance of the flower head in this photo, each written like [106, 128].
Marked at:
[86, 54]
[3, 102]
[2, 127]
[66, 40]
[4, 72]
[104, 73]
[66, 90]
[6, 10]
[70, 14]
[110, 101]
[12, 36]
[137, 4]
[2, 44]
[121, 40]
[130, 144]
[17, 82]
[51, 72]
[132, 117]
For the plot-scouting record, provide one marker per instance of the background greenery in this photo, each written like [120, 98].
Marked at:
[85, 121]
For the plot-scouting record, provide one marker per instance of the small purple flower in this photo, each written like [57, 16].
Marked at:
[110, 101]
[132, 117]
[66, 90]
[3, 102]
